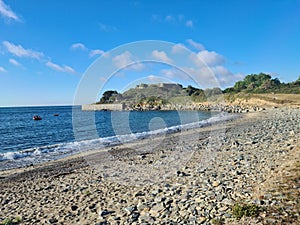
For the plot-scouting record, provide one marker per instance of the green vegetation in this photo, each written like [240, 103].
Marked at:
[108, 97]
[174, 93]
[12, 221]
[263, 83]
[218, 221]
[143, 91]
[86, 193]
[240, 209]
[151, 102]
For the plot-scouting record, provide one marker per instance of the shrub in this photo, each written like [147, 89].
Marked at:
[240, 210]
[218, 221]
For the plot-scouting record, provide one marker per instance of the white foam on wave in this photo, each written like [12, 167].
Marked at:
[86, 145]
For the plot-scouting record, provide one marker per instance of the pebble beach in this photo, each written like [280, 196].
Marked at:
[198, 176]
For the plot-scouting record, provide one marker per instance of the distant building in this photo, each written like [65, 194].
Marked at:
[141, 86]
[161, 85]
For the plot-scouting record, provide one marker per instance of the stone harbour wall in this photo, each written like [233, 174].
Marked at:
[99, 107]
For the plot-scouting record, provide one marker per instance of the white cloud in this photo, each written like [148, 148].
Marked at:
[217, 76]
[179, 48]
[123, 59]
[96, 52]
[19, 51]
[226, 77]
[207, 58]
[195, 45]
[211, 58]
[14, 62]
[154, 79]
[6, 12]
[173, 19]
[69, 69]
[174, 74]
[78, 46]
[2, 69]
[204, 76]
[107, 28]
[189, 23]
[137, 67]
[161, 56]
[221, 71]
[126, 60]
[64, 68]
[170, 18]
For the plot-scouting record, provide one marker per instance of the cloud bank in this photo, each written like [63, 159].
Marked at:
[6, 12]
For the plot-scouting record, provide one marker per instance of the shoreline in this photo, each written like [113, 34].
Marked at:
[27, 157]
[225, 163]
[131, 144]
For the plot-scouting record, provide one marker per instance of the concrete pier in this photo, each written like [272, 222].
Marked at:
[99, 107]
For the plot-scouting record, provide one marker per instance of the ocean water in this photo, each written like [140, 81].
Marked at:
[25, 141]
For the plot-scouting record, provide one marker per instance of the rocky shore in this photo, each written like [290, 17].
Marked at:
[230, 108]
[211, 175]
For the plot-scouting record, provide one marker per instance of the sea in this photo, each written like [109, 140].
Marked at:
[67, 130]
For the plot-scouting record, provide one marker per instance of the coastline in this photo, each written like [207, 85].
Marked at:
[37, 155]
[242, 154]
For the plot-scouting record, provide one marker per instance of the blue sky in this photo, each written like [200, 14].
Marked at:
[47, 47]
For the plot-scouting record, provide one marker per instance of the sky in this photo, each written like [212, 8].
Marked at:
[59, 52]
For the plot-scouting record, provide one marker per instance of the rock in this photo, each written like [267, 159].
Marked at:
[105, 213]
[215, 183]
[74, 207]
[198, 200]
[130, 209]
[133, 217]
[235, 144]
[52, 220]
[139, 193]
[155, 210]
[92, 206]
[201, 220]
[5, 201]
[102, 223]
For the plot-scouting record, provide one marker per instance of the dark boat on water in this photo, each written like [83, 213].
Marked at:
[36, 117]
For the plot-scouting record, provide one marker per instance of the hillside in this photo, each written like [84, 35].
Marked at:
[254, 90]
[166, 92]
[263, 100]
[143, 91]
[264, 83]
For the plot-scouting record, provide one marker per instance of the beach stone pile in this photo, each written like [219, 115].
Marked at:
[202, 107]
[226, 164]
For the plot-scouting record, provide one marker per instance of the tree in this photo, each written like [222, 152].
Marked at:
[108, 97]
[190, 90]
[297, 82]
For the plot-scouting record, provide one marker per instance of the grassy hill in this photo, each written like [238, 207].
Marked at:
[264, 83]
[254, 89]
[144, 91]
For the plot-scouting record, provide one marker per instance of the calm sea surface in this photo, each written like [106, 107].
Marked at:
[21, 136]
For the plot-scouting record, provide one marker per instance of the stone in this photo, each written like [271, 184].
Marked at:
[74, 207]
[201, 219]
[130, 209]
[105, 213]
[139, 193]
[215, 183]
[53, 220]
[155, 210]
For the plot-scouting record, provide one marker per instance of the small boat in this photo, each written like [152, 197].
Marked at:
[56, 114]
[36, 117]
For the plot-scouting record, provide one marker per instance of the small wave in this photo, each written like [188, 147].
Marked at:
[86, 145]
